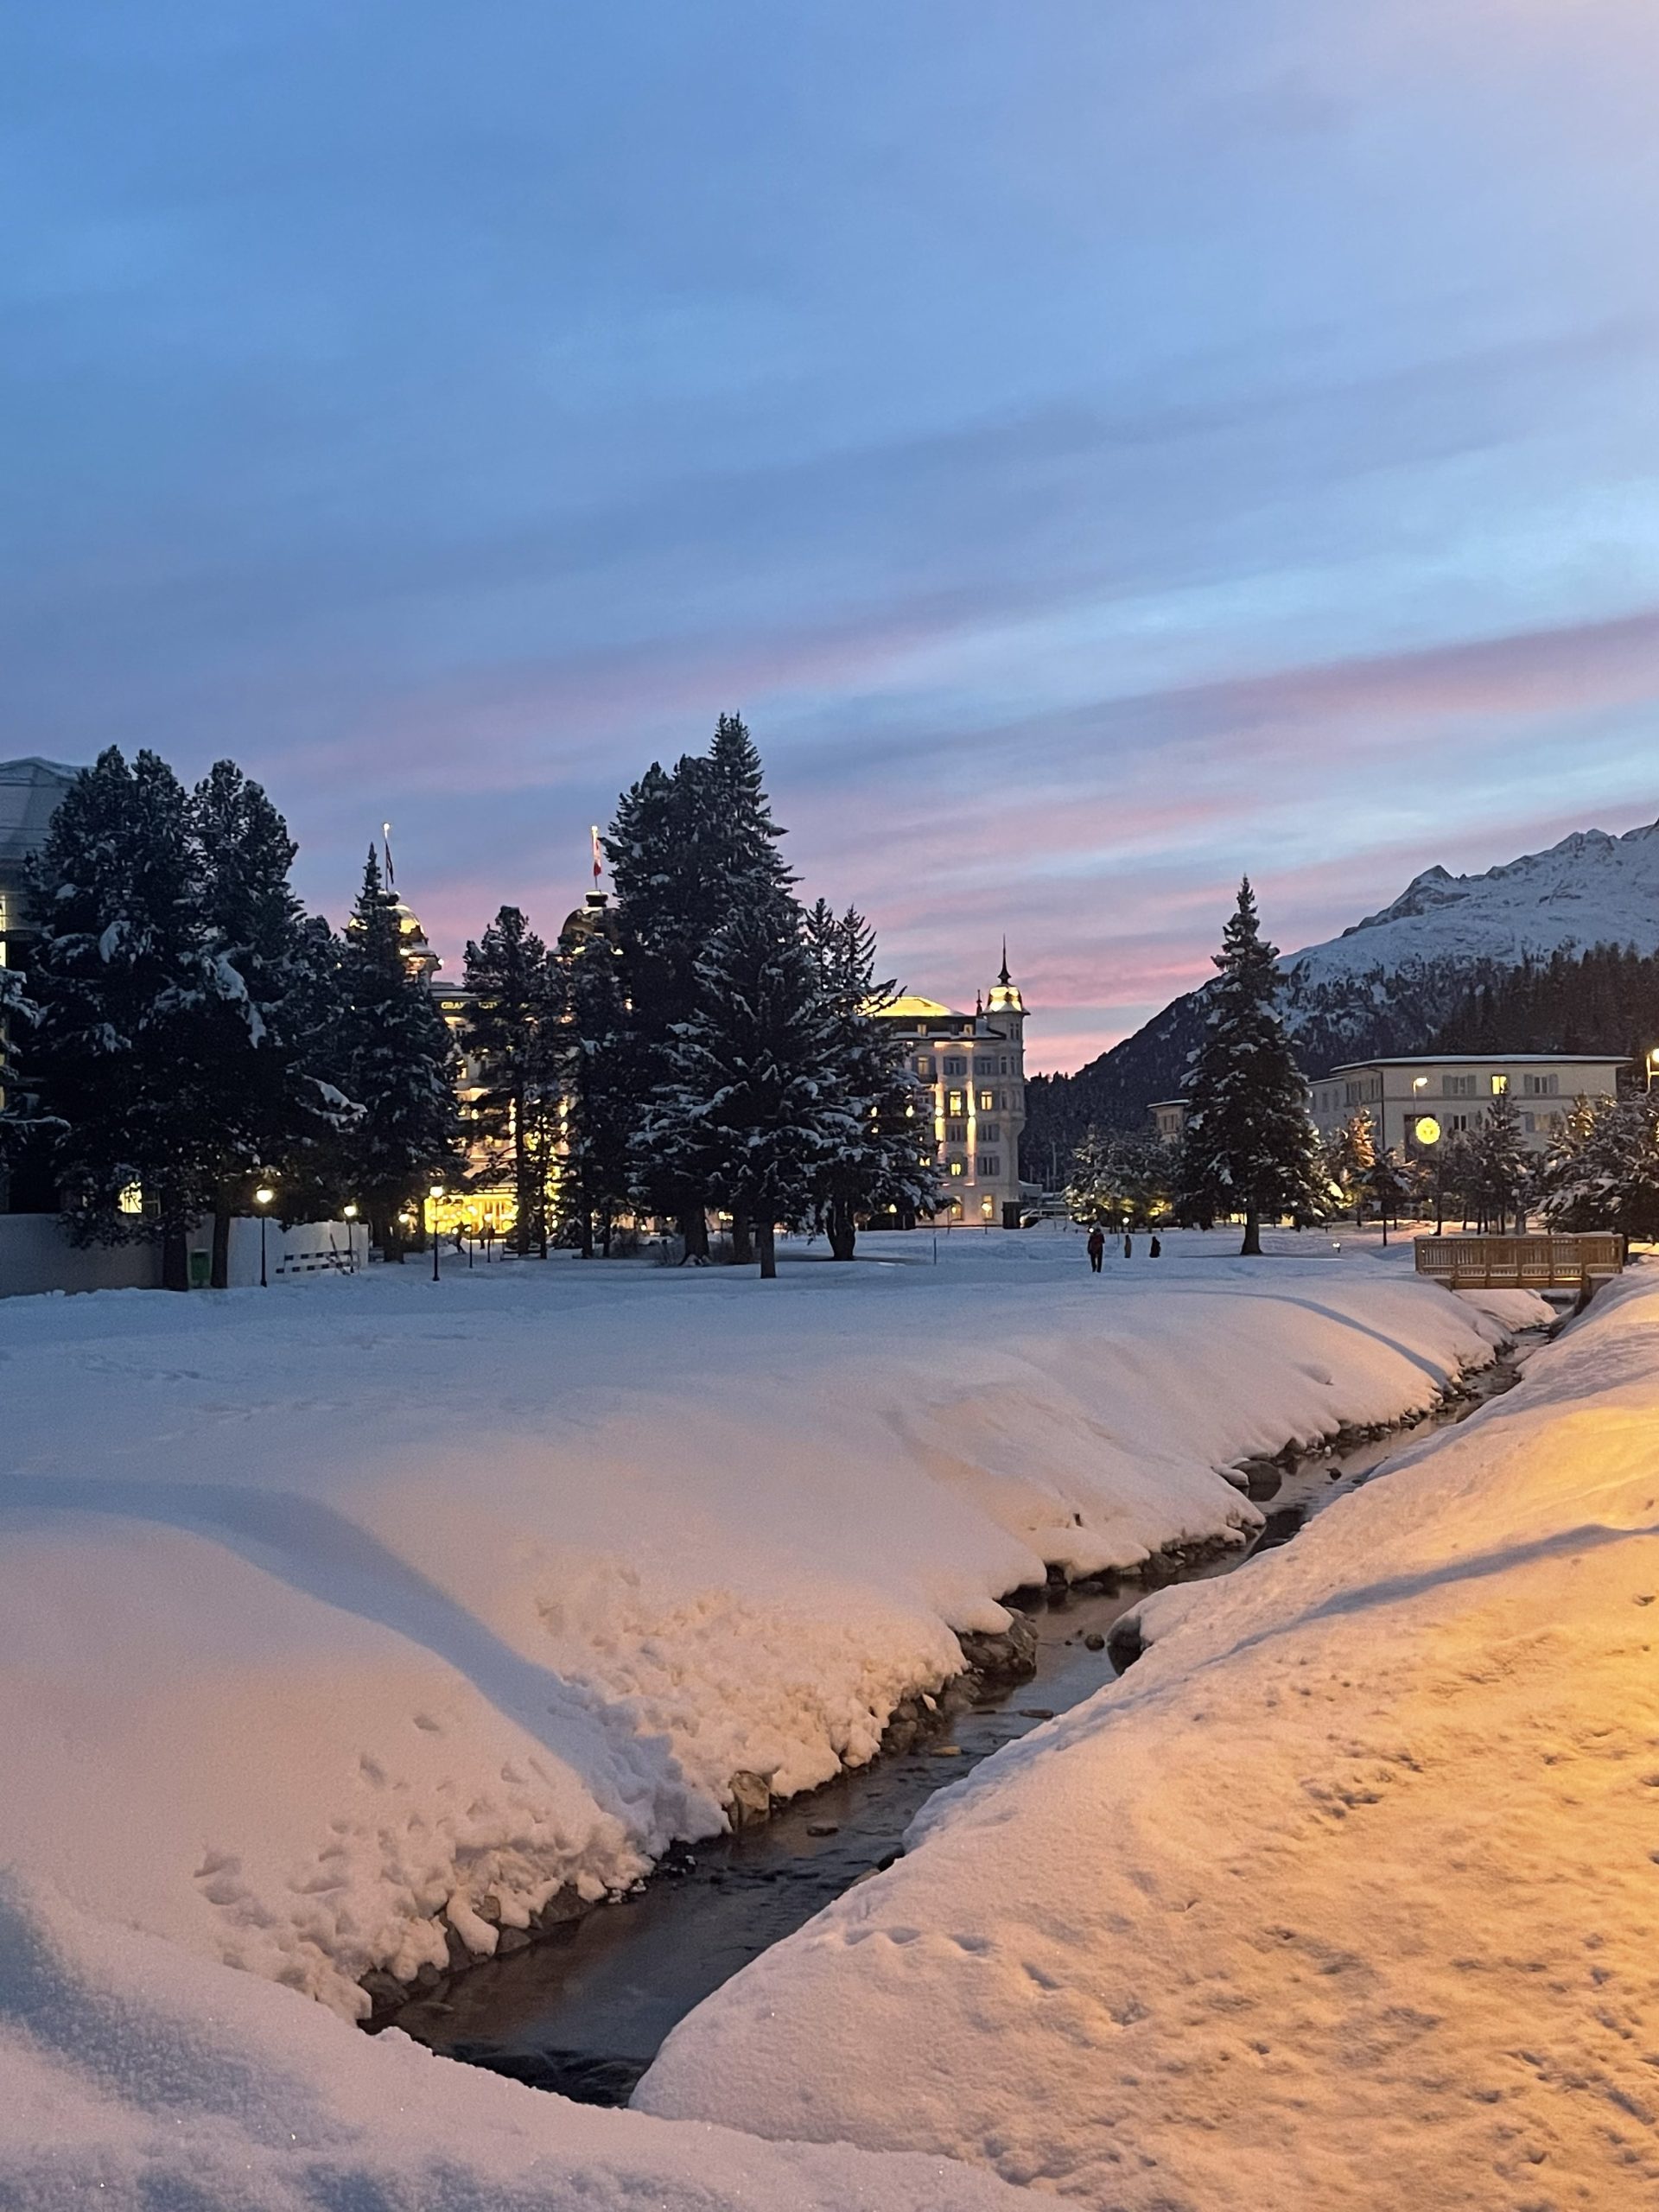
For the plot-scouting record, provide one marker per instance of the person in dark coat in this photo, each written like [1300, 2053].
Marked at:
[1128, 1246]
[1096, 1248]
[1154, 1249]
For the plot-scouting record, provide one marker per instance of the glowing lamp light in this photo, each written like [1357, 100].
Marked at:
[436, 1192]
[350, 1212]
[1427, 1131]
[264, 1195]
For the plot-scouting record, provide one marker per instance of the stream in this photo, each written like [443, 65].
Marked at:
[584, 2009]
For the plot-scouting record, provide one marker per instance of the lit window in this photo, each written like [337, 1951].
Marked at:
[131, 1199]
[958, 1166]
[953, 1103]
[987, 1100]
[1500, 1084]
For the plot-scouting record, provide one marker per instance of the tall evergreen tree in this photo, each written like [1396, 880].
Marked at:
[1346, 1162]
[129, 987]
[885, 1164]
[688, 847]
[269, 1101]
[750, 1114]
[1387, 1186]
[600, 1089]
[397, 1063]
[513, 1028]
[1248, 1146]
[1500, 1164]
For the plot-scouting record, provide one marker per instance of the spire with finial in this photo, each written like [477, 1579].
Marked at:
[1002, 973]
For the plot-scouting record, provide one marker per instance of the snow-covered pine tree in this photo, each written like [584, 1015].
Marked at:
[396, 1064]
[1120, 1179]
[127, 986]
[1346, 1162]
[750, 1114]
[1501, 1166]
[1248, 1146]
[1602, 1171]
[600, 1085]
[687, 847]
[886, 1163]
[513, 1028]
[1387, 1186]
[268, 1100]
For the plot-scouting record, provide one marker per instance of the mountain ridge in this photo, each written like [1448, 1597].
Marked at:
[1388, 981]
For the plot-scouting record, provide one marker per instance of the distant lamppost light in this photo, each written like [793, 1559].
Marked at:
[262, 1198]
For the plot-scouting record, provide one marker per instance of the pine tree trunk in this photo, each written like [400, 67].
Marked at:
[1252, 1248]
[694, 1230]
[742, 1242]
[219, 1276]
[605, 1234]
[585, 1230]
[764, 1237]
[843, 1231]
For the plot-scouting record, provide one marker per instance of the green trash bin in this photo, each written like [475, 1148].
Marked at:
[201, 1267]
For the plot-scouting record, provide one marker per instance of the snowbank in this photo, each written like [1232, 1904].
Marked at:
[133, 2075]
[1347, 1895]
[326, 1610]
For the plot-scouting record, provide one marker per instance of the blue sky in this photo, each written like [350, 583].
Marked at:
[1101, 448]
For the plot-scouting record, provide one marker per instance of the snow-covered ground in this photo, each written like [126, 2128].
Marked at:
[1346, 1896]
[328, 1610]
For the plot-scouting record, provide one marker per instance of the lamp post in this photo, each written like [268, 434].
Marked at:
[262, 1198]
[350, 1214]
[434, 1194]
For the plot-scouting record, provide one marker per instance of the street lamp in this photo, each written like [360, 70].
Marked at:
[434, 1194]
[262, 1198]
[350, 1214]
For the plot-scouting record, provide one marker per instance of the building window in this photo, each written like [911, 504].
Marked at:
[1458, 1120]
[953, 1103]
[1541, 1086]
[990, 1167]
[955, 1133]
[925, 1064]
[990, 1133]
[1500, 1084]
[954, 1066]
[1457, 1086]
[958, 1166]
[984, 1065]
[1003, 1067]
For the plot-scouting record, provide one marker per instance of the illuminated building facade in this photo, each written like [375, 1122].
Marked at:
[1415, 1103]
[973, 1067]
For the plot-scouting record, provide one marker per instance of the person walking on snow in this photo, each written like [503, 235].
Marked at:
[1096, 1248]
[1154, 1248]
[1128, 1246]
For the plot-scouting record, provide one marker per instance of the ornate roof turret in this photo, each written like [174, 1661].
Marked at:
[1005, 993]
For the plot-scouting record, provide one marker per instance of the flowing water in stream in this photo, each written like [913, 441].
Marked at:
[584, 2009]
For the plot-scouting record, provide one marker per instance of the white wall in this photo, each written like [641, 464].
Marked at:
[35, 1255]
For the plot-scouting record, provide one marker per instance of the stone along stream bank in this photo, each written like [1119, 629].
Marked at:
[584, 2005]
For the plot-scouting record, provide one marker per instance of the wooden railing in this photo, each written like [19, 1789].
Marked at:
[1542, 1262]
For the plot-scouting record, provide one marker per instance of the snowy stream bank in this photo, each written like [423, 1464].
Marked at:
[346, 1622]
[584, 2009]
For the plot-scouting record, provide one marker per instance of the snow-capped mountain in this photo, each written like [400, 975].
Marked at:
[1387, 983]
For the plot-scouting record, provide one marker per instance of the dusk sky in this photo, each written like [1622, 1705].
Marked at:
[1100, 446]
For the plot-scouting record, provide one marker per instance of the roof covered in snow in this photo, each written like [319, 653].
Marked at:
[29, 791]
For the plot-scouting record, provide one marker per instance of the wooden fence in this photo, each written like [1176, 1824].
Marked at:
[1543, 1263]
